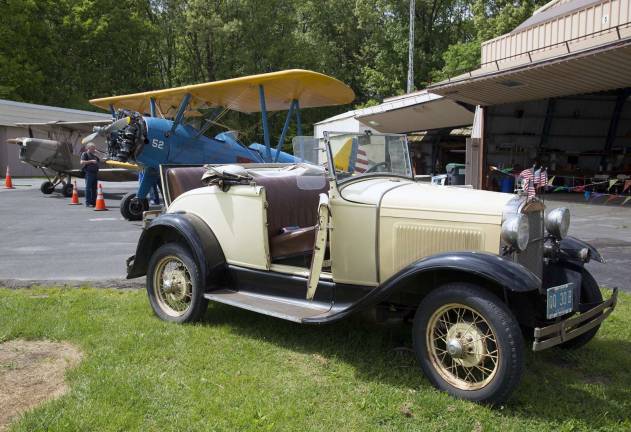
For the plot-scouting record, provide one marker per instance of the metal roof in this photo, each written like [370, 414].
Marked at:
[604, 67]
[12, 113]
[553, 12]
[419, 112]
[411, 112]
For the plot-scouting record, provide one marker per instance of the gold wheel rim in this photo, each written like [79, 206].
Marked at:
[462, 347]
[172, 286]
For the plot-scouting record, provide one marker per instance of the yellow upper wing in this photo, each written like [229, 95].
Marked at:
[311, 89]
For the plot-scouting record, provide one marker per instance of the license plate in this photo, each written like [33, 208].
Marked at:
[560, 300]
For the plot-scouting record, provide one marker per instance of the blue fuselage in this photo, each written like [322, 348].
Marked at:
[186, 146]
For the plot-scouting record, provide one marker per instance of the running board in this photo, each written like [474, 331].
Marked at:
[291, 310]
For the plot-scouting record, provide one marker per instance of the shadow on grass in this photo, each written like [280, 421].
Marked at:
[587, 384]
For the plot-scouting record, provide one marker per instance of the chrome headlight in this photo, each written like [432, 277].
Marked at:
[516, 231]
[558, 222]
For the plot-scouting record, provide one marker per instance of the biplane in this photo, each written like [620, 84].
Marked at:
[154, 128]
[59, 154]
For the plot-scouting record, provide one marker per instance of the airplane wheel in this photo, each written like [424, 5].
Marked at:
[132, 208]
[67, 190]
[47, 188]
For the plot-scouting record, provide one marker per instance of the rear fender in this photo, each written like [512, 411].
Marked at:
[188, 229]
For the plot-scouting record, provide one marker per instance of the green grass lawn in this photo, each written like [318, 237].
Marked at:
[243, 371]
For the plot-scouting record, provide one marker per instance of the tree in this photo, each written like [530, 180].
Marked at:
[489, 19]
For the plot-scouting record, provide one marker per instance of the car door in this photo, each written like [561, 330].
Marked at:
[319, 249]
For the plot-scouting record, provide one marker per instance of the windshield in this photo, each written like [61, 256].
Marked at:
[356, 155]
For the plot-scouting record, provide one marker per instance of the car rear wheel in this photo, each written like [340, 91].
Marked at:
[468, 343]
[174, 284]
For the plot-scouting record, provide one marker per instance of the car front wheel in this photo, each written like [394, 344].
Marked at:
[468, 343]
[174, 284]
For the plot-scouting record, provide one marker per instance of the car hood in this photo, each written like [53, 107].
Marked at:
[400, 198]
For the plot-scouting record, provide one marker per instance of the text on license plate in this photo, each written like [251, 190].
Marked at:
[560, 300]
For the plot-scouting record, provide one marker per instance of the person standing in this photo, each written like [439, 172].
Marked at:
[90, 163]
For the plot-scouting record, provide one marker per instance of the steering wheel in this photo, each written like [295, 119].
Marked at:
[375, 168]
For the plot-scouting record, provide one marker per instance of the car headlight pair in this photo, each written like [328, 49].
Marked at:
[516, 229]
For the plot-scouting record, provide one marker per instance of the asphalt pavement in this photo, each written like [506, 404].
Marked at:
[45, 240]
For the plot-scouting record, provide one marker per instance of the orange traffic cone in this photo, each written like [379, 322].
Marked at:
[8, 184]
[100, 201]
[75, 195]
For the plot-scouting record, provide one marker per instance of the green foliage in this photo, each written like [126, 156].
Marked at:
[489, 19]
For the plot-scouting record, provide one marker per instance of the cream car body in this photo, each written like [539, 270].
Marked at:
[315, 245]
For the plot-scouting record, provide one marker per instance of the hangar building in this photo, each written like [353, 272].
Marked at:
[554, 92]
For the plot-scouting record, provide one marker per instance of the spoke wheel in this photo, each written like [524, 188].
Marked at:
[463, 346]
[468, 343]
[173, 286]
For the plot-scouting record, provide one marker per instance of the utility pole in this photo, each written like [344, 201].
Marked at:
[411, 50]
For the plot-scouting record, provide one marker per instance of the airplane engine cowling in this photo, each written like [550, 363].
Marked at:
[125, 143]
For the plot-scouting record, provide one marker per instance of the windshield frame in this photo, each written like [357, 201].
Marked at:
[340, 182]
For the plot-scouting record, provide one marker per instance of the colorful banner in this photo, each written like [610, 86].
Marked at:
[612, 183]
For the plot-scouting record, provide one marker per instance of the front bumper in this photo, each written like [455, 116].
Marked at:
[557, 333]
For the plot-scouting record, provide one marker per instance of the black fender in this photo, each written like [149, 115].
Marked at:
[511, 276]
[570, 246]
[184, 227]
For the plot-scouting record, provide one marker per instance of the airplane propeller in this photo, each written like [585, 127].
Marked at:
[102, 131]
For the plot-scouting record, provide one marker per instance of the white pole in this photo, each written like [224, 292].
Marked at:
[411, 50]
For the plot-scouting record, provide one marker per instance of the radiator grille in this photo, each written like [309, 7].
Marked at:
[412, 242]
[532, 257]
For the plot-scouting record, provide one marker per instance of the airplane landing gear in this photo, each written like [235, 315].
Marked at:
[67, 190]
[132, 207]
[47, 187]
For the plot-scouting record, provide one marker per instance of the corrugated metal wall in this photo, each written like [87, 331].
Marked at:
[546, 37]
[578, 128]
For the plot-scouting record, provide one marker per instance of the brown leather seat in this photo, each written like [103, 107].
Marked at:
[293, 243]
[293, 208]
[183, 179]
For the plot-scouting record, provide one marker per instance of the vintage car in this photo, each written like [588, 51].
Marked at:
[476, 272]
